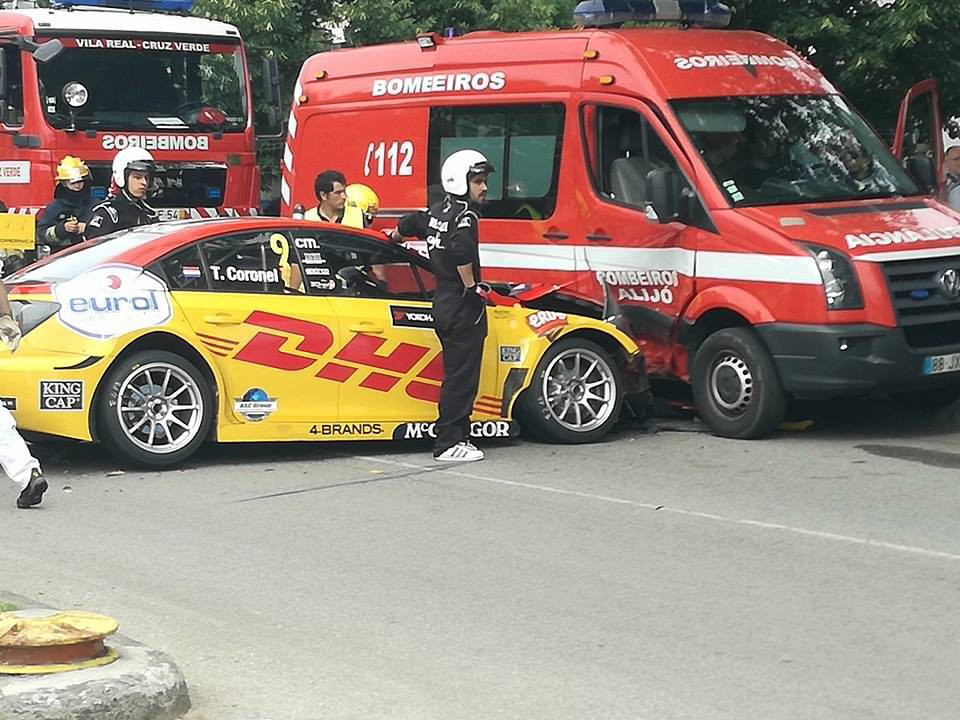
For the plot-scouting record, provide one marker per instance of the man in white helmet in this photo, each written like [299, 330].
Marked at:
[133, 170]
[459, 302]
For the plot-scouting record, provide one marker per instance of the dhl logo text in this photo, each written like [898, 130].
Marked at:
[385, 370]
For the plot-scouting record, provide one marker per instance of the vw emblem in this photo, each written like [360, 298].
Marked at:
[949, 282]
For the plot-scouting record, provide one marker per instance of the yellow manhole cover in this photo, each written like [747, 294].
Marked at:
[42, 641]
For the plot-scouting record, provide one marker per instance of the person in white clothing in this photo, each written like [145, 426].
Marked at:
[19, 465]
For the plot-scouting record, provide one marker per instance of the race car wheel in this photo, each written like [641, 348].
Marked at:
[575, 394]
[735, 385]
[154, 409]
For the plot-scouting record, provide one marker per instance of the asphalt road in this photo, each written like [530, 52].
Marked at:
[667, 575]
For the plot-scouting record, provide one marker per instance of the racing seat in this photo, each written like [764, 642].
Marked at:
[628, 174]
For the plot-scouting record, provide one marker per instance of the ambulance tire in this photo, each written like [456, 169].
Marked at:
[735, 385]
[933, 399]
[162, 391]
[562, 422]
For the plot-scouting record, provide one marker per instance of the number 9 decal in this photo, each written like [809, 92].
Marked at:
[279, 245]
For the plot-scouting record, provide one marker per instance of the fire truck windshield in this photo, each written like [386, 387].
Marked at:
[146, 85]
[791, 149]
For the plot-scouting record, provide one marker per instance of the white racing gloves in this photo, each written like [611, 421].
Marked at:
[9, 332]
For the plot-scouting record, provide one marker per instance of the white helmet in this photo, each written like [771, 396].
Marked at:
[458, 167]
[131, 158]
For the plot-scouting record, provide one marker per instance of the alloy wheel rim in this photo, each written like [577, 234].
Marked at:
[580, 389]
[160, 408]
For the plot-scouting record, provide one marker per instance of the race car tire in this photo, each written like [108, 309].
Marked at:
[154, 409]
[735, 385]
[932, 399]
[575, 394]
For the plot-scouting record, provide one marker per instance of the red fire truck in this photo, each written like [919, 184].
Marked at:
[178, 86]
[762, 239]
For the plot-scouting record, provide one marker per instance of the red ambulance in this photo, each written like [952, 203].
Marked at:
[761, 238]
[177, 86]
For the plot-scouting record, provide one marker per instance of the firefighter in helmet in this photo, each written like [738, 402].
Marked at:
[64, 221]
[361, 207]
[133, 171]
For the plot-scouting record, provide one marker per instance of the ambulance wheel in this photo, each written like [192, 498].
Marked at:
[154, 409]
[932, 399]
[575, 394]
[735, 385]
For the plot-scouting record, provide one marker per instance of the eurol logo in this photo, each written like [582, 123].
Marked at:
[112, 300]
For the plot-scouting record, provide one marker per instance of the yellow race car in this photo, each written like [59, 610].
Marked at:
[154, 340]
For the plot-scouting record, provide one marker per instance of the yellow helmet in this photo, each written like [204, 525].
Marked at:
[364, 199]
[72, 168]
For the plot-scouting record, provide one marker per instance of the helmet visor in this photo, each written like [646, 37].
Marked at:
[480, 168]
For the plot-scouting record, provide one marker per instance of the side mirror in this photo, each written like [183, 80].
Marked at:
[924, 171]
[663, 189]
[47, 51]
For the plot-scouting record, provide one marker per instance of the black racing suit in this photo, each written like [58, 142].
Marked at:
[119, 212]
[67, 204]
[459, 315]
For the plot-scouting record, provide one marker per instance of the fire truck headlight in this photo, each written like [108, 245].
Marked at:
[841, 288]
[75, 94]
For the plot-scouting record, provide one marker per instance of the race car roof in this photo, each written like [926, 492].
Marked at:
[108, 21]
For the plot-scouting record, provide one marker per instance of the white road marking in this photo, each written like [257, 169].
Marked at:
[851, 539]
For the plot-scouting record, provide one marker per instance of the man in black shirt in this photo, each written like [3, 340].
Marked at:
[126, 207]
[459, 302]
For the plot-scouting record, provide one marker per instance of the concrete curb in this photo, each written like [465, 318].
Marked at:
[143, 684]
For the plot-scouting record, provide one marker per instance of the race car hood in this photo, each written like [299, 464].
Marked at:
[866, 227]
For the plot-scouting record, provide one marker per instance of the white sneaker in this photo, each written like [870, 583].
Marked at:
[461, 452]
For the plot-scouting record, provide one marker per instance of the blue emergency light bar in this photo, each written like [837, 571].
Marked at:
[604, 13]
[179, 6]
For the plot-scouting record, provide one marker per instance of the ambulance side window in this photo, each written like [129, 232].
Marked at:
[622, 149]
[12, 85]
[522, 142]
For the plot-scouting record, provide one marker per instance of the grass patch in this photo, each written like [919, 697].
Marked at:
[6, 607]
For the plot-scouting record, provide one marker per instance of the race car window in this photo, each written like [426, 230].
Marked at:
[622, 150]
[182, 270]
[344, 265]
[244, 263]
[522, 142]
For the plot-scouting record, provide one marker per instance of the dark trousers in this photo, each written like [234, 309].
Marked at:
[461, 324]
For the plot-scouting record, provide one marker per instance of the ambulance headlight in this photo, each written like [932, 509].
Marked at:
[840, 285]
[75, 94]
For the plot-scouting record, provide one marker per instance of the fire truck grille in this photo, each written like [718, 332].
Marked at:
[926, 298]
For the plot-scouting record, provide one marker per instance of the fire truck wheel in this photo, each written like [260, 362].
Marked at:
[154, 409]
[735, 385]
[928, 399]
[575, 394]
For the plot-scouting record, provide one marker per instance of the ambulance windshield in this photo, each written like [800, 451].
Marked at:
[791, 149]
[146, 85]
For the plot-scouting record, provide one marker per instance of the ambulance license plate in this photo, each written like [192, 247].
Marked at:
[936, 364]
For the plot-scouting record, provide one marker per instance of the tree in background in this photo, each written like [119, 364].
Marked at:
[373, 21]
[871, 50]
